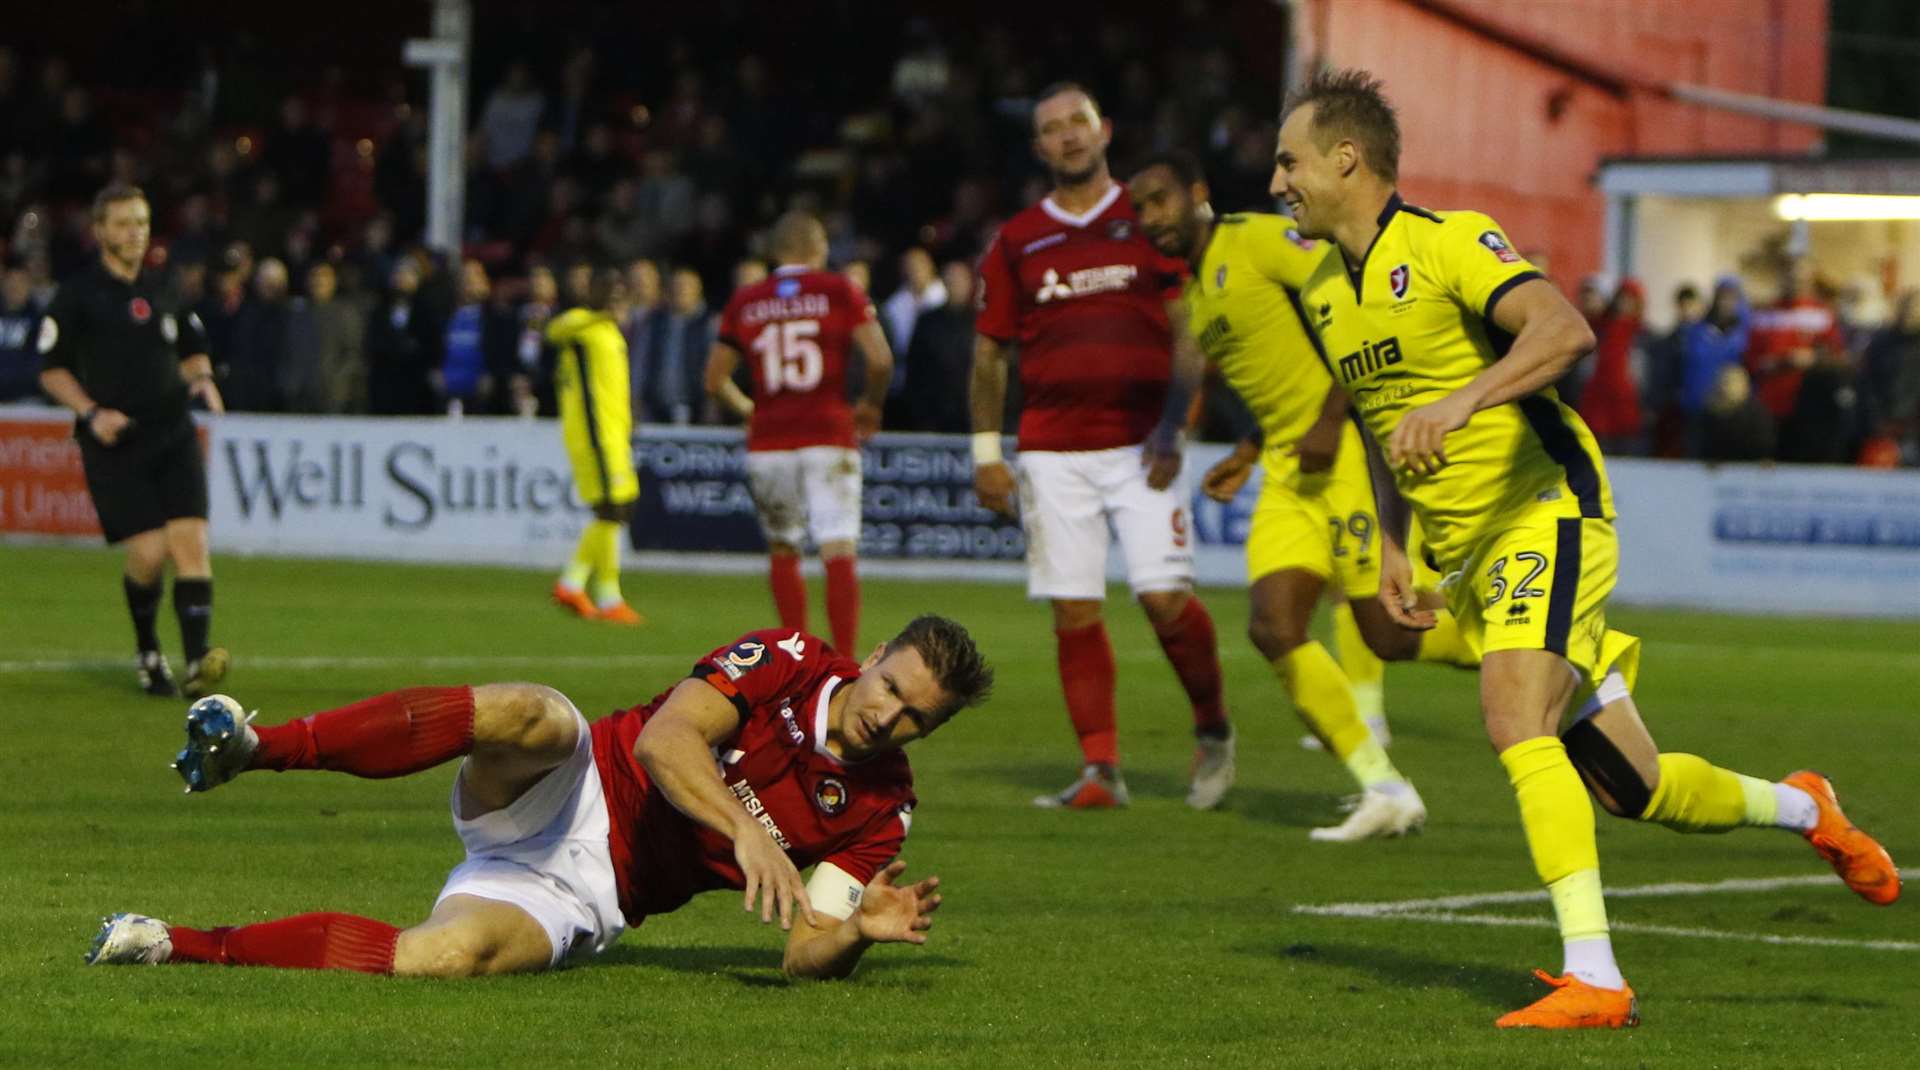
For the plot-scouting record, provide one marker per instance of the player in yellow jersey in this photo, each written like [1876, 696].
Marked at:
[1314, 522]
[596, 420]
[1448, 342]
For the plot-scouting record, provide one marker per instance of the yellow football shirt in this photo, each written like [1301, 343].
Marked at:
[1243, 309]
[1412, 324]
[590, 376]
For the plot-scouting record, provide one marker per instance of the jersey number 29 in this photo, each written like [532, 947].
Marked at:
[789, 356]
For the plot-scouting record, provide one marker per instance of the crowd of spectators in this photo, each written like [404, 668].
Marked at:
[1792, 380]
[295, 227]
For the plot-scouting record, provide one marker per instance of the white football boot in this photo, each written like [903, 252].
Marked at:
[1212, 771]
[1379, 815]
[1097, 789]
[220, 743]
[131, 940]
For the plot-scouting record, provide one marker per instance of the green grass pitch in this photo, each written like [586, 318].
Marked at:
[1149, 937]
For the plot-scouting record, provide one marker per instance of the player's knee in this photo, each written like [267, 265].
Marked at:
[446, 952]
[1621, 787]
[1164, 607]
[1275, 636]
[1388, 640]
[531, 718]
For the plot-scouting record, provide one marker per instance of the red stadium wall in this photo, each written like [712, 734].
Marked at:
[1508, 106]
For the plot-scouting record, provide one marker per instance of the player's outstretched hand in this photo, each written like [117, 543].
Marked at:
[1224, 480]
[890, 913]
[771, 880]
[1419, 442]
[993, 485]
[1397, 592]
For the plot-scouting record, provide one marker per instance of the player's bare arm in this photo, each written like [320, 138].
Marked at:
[1321, 444]
[992, 479]
[872, 343]
[722, 359]
[1549, 335]
[106, 424]
[888, 913]
[197, 370]
[676, 750]
[1189, 369]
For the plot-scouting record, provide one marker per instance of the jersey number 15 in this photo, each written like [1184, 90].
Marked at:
[789, 356]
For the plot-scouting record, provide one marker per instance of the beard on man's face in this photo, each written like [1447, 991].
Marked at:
[1063, 177]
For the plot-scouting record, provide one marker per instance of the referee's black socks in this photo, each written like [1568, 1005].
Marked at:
[193, 604]
[143, 604]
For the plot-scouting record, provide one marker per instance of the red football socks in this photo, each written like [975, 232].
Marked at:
[1086, 677]
[322, 941]
[843, 604]
[389, 735]
[789, 590]
[1191, 647]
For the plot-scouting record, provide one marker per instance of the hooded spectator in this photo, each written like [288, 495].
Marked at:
[1709, 346]
[1610, 400]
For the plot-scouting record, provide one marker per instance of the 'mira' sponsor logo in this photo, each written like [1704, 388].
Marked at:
[1370, 358]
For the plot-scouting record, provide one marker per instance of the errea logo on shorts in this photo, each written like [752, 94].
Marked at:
[1086, 281]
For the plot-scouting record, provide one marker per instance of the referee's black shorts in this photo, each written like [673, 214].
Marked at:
[138, 486]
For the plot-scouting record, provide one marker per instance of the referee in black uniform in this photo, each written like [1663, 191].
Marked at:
[127, 359]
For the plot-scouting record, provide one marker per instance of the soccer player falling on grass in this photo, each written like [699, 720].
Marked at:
[1448, 341]
[1107, 374]
[1314, 523]
[775, 754]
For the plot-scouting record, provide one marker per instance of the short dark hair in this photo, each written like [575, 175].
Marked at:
[1185, 165]
[113, 193]
[1687, 292]
[1054, 89]
[1349, 104]
[603, 287]
[950, 655]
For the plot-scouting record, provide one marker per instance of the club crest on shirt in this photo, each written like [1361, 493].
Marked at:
[1498, 246]
[830, 795]
[745, 655]
[1120, 229]
[139, 310]
[1399, 278]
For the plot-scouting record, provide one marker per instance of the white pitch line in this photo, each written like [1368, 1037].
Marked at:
[323, 661]
[1445, 918]
[1539, 895]
[1444, 909]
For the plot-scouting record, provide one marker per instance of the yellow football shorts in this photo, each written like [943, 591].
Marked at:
[1323, 523]
[1542, 584]
[602, 469]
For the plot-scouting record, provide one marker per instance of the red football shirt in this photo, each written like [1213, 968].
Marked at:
[1085, 297]
[817, 807]
[794, 329]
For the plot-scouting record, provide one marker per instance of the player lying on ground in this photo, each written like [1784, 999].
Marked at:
[1449, 343]
[772, 756]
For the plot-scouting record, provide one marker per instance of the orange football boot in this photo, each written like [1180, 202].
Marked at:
[575, 602]
[621, 613]
[1856, 856]
[1575, 1004]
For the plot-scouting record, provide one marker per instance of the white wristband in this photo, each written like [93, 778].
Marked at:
[986, 448]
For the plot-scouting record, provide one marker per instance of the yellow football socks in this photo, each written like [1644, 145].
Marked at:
[1694, 795]
[600, 544]
[1364, 669]
[1325, 702]
[1444, 643]
[1558, 820]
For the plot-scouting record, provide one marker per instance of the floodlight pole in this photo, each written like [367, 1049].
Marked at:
[445, 56]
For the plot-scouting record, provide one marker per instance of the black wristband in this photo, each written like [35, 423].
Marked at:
[87, 417]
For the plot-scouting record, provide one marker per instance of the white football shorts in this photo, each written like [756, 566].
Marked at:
[815, 489]
[1073, 503]
[547, 854]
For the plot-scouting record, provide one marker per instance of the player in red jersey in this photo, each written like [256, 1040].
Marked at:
[775, 754]
[1095, 311]
[803, 456]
